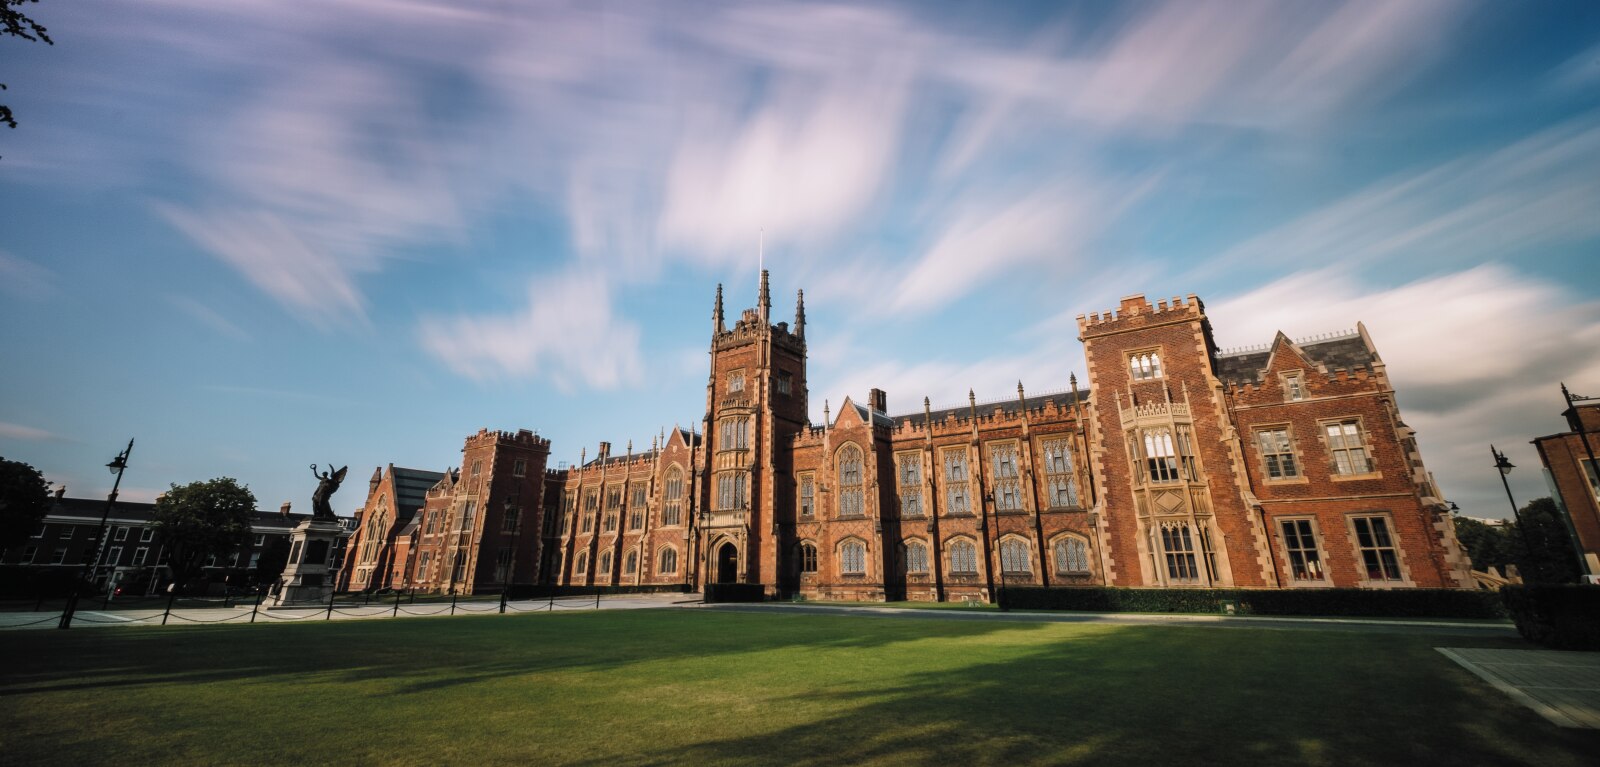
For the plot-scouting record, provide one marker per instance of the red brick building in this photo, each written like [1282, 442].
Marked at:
[1179, 465]
[1572, 475]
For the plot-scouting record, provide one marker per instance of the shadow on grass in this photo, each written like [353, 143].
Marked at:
[790, 689]
[1159, 695]
[433, 654]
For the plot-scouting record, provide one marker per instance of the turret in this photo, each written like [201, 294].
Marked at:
[764, 301]
[800, 314]
[716, 313]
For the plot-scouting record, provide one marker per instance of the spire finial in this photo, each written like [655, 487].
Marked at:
[764, 301]
[716, 312]
[1019, 389]
[800, 314]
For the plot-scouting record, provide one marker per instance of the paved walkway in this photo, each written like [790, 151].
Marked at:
[247, 614]
[1563, 687]
[1359, 625]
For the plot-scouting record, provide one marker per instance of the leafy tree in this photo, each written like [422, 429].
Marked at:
[273, 559]
[1488, 546]
[24, 500]
[15, 23]
[203, 519]
[1545, 555]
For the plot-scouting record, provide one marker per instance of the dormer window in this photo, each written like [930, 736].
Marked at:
[1145, 365]
[735, 382]
[1292, 388]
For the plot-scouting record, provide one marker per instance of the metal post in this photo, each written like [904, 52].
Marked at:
[396, 612]
[1505, 467]
[597, 597]
[172, 595]
[331, 595]
[261, 593]
[452, 603]
[117, 465]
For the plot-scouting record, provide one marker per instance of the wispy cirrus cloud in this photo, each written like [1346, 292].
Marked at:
[18, 431]
[568, 332]
[1533, 192]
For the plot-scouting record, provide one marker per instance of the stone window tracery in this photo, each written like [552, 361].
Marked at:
[850, 494]
[853, 558]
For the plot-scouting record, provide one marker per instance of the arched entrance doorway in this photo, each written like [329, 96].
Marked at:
[727, 563]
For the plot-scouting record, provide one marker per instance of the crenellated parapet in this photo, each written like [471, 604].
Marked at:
[1135, 313]
[520, 438]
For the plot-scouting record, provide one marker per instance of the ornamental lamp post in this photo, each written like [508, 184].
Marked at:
[1505, 468]
[117, 466]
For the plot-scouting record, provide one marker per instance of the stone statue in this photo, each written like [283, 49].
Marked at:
[327, 485]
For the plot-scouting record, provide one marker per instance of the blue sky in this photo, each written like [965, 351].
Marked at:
[256, 235]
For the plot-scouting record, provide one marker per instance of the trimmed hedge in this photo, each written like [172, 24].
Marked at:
[1374, 603]
[735, 592]
[1560, 617]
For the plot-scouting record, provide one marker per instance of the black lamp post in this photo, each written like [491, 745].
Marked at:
[117, 466]
[1505, 468]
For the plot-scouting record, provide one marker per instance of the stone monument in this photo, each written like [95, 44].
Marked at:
[307, 578]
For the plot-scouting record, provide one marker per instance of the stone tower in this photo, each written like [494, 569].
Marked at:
[755, 404]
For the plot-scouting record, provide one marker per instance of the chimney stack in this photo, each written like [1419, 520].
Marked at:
[61, 490]
[878, 400]
[284, 509]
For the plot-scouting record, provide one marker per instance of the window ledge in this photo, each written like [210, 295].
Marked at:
[1383, 585]
[1300, 480]
[1011, 512]
[1336, 477]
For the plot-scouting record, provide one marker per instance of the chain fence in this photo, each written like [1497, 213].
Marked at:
[258, 605]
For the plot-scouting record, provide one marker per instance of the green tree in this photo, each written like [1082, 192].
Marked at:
[203, 519]
[15, 23]
[1488, 546]
[24, 499]
[1545, 554]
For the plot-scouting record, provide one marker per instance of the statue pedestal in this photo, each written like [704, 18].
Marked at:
[306, 579]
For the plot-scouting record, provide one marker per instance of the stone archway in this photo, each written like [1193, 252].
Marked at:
[728, 563]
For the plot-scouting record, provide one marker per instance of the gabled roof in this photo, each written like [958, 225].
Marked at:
[1345, 353]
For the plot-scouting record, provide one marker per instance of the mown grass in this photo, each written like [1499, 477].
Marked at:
[681, 686]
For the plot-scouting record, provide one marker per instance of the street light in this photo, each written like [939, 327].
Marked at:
[117, 466]
[1505, 468]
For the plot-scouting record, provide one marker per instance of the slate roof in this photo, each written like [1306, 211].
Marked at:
[411, 489]
[90, 509]
[1007, 406]
[1346, 353]
[689, 438]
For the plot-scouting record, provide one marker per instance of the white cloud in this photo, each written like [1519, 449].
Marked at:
[1475, 358]
[18, 431]
[568, 333]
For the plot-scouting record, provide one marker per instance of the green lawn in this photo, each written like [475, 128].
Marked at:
[698, 686]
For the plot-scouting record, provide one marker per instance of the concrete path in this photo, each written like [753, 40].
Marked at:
[1563, 687]
[1360, 625]
[247, 614]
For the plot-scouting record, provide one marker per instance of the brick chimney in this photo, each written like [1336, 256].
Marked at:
[284, 509]
[878, 400]
[61, 490]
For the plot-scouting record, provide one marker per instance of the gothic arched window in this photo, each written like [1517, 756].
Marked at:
[850, 501]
